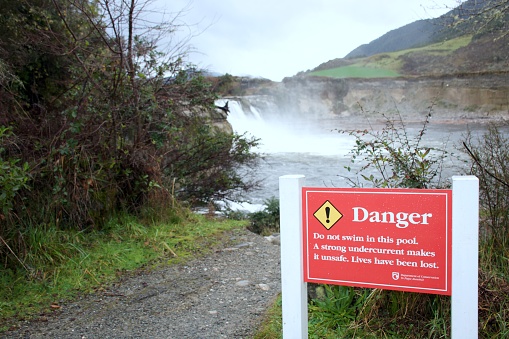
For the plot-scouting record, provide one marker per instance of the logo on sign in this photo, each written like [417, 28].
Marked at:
[328, 215]
[395, 275]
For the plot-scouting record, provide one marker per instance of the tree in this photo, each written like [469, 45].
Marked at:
[105, 119]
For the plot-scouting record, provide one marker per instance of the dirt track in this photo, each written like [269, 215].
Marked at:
[223, 295]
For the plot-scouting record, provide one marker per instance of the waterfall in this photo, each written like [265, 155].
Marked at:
[280, 132]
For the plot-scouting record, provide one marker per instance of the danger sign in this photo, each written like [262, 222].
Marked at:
[397, 239]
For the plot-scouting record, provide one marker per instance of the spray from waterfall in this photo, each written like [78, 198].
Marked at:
[285, 133]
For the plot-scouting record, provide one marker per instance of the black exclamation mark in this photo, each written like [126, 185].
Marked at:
[327, 214]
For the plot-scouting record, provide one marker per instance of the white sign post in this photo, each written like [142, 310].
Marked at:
[465, 256]
[294, 289]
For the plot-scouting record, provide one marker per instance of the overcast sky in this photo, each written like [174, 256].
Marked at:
[278, 38]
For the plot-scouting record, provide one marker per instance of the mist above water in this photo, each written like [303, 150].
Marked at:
[286, 134]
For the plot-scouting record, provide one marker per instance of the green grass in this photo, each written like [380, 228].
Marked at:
[388, 65]
[356, 71]
[62, 264]
[272, 326]
[441, 48]
[348, 312]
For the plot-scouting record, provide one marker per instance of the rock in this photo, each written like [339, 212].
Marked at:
[245, 244]
[243, 283]
[263, 287]
[274, 239]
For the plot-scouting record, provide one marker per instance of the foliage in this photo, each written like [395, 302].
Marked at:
[339, 306]
[489, 155]
[481, 17]
[13, 177]
[266, 221]
[209, 164]
[100, 119]
[346, 312]
[227, 85]
[391, 157]
[490, 159]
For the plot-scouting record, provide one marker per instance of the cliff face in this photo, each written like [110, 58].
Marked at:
[314, 98]
[469, 97]
[213, 117]
[448, 98]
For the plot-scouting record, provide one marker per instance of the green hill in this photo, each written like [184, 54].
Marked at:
[429, 47]
[394, 64]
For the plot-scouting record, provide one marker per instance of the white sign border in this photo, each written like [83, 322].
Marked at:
[393, 191]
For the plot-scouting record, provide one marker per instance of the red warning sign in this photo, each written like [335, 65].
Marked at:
[397, 239]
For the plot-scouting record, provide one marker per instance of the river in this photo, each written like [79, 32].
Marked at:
[317, 150]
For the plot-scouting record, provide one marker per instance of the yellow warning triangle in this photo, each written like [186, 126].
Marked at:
[328, 215]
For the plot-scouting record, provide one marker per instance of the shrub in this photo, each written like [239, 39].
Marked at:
[392, 158]
[103, 121]
[490, 163]
[13, 177]
[266, 221]
[489, 155]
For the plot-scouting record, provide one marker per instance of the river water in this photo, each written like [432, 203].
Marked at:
[317, 150]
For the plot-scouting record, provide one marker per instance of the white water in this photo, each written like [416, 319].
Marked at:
[314, 149]
[286, 135]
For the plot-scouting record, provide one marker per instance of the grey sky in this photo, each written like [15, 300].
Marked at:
[278, 38]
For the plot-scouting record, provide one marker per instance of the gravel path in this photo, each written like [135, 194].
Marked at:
[222, 295]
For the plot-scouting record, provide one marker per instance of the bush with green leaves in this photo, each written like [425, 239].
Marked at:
[391, 157]
[13, 177]
[489, 155]
[266, 221]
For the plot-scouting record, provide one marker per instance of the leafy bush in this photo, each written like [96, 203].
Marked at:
[490, 163]
[391, 157]
[266, 221]
[103, 120]
[13, 177]
[489, 155]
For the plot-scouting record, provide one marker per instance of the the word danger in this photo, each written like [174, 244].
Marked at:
[401, 219]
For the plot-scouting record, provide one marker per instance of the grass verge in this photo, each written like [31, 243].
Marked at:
[63, 264]
[272, 325]
[357, 71]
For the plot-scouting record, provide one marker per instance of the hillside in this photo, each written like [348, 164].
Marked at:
[463, 55]
[416, 34]
[428, 47]
[421, 33]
